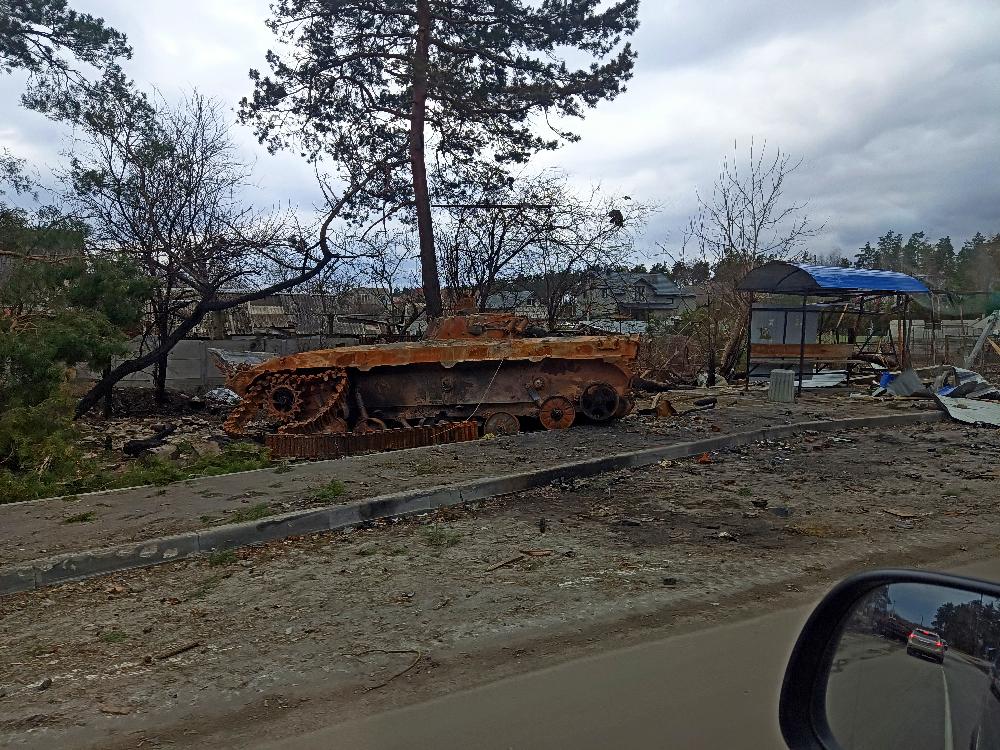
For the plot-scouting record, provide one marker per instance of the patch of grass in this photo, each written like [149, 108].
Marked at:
[222, 557]
[330, 491]
[744, 492]
[205, 587]
[234, 457]
[817, 530]
[113, 636]
[253, 513]
[71, 499]
[147, 470]
[397, 551]
[435, 536]
[81, 517]
[283, 468]
[424, 470]
[69, 472]
[184, 448]
[208, 519]
[367, 551]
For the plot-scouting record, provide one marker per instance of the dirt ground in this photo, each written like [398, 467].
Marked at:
[272, 641]
[41, 528]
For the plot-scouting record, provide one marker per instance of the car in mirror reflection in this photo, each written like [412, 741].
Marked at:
[870, 667]
[925, 643]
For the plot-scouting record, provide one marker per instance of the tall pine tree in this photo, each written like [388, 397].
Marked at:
[50, 41]
[400, 83]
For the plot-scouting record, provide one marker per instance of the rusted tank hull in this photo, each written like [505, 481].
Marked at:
[446, 353]
[495, 381]
[483, 387]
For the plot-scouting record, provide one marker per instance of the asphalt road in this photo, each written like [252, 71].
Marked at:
[887, 698]
[716, 687]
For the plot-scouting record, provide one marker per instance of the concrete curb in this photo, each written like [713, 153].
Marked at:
[74, 566]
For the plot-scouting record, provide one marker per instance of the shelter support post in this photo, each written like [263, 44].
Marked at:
[746, 386]
[904, 336]
[802, 344]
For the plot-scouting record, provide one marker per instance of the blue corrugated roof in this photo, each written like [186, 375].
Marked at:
[830, 277]
[800, 278]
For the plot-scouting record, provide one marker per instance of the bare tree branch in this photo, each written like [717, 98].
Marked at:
[163, 186]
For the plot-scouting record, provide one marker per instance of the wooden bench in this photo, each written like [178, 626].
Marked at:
[828, 353]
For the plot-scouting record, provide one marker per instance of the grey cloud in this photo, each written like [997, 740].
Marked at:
[891, 106]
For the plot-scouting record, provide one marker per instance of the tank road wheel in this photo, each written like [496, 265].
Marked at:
[372, 424]
[284, 401]
[625, 407]
[501, 423]
[335, 426]
[556, 413]
[599, 402]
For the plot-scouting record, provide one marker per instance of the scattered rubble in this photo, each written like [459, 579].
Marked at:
[221, 398]
[152, 444]
[133, 436]
[965, 395]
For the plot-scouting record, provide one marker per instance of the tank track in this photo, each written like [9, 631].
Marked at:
[299, 416]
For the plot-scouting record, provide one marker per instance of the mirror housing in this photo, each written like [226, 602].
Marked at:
[802, 710]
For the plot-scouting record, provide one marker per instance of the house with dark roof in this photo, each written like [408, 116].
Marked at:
[633, 296]
[517, 301]
[285, 315]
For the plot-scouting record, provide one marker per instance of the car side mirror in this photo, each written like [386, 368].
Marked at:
[897, 659]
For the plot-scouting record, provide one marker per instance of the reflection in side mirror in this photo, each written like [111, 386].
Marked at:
[916, 666]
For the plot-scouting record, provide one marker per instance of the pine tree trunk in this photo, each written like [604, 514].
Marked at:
[160, 368]
[108, 407]
[418, 166]
[160, 379]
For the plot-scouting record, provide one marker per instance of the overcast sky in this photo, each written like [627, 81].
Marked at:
[894, 107]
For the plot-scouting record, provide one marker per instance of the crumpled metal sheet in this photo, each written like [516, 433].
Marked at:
[907, 383]
[825, 379]
[970, 410]
[970, 385]
[230, 362]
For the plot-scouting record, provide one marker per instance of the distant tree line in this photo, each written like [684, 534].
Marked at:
[970, 627]
[974, 267]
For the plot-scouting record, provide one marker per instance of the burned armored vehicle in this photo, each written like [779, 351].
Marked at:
[491, 371]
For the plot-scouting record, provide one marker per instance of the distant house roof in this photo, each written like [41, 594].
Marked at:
[614, 326]
[642, 291]
[779, 277]
[298, 314]
[509, 300]
[660, 283]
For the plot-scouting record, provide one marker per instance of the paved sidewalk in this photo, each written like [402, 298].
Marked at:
[43, 528]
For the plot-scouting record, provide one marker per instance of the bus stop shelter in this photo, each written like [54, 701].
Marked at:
[842, 291]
